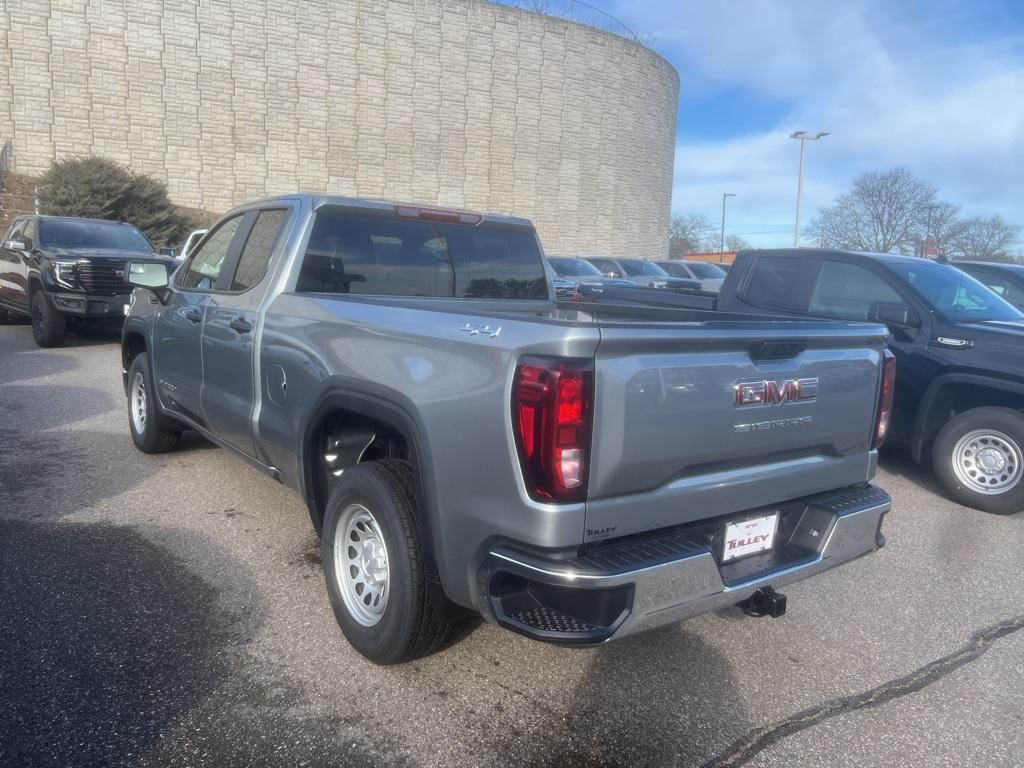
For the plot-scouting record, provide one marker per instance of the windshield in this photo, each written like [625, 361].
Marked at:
[575, 268]
[705, 271]
[92, 235]
[636, 267]
[955, 294]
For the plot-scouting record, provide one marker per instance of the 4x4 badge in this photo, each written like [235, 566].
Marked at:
[475, 329]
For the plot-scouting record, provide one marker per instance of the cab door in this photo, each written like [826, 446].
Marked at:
[12, 266]
[178, 330]
[230, 329]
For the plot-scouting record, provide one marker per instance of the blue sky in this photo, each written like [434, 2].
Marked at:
[936, 86]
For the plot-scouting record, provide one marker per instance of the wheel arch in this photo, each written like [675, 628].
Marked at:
[359, 411]
[955, 393]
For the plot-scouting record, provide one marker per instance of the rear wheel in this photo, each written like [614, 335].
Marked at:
[49, 326]
[152, 432]
[373, 562]
[979, 457]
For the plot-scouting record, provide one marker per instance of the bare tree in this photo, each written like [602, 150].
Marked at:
[688, 234]
[736, 243]
[981, 239]
[941, 221]
[885, 211]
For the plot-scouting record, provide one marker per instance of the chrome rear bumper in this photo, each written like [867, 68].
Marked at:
[630, 586]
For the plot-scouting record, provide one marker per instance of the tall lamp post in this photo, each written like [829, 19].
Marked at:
[804, 137]
[721, 242]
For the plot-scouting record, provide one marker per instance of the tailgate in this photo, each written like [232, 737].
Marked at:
[672, 444]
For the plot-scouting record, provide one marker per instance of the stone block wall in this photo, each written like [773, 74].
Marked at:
[448, 102]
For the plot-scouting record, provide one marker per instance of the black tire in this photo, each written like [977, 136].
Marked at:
[409, 627]
[5, 316]
[1004, 428]
[158, 433]
[49, 327]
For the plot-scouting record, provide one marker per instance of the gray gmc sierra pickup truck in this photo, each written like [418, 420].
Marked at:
[466, 444]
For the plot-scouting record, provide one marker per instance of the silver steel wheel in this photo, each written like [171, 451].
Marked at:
[361, 565]
[137, 403]
[987, 461]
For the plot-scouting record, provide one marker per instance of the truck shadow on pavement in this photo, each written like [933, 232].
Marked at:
[667, 697]
[114, 654]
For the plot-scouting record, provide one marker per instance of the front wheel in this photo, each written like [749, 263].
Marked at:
[49, 327]
[979, 457]
[373, 562]
[151, 430]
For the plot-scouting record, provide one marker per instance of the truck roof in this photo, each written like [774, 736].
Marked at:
[890, 258]
[317, 201]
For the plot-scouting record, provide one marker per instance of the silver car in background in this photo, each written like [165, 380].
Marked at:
[710, 276]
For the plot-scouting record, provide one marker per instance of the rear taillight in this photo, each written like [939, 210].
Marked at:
[884, 415]
[552, 411]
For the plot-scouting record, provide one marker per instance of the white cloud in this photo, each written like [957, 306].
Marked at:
[893, 87]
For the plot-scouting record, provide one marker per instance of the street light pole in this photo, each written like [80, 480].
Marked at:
[804, 137]
[721, 242]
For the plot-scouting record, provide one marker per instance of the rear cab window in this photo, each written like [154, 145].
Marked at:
[782, 282]
[371, 254]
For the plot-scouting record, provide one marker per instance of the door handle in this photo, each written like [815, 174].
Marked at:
[192, 314]
[241, 325]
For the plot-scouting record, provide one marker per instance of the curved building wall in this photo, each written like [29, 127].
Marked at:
[453, 102]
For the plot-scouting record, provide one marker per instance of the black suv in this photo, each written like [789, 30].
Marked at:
[60, 270]
[959, 394]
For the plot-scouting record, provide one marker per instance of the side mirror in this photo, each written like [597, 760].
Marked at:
[15, 245]
[143, 274]
[165, 251]
[893, 314]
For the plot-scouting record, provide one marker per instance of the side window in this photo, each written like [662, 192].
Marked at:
[29, 233]
[259, 246]
[781, 282]
[847, 291]
[16, 229]
[204, 267]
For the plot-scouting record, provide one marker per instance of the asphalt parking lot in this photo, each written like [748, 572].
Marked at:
[170, 610]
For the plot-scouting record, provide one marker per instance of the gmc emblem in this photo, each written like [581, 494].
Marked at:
[770, 392]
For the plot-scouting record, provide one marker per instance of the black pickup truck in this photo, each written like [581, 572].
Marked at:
[959, 395]
[60, 270]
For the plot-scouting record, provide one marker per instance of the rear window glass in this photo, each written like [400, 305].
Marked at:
[386, 256]
[782, 282]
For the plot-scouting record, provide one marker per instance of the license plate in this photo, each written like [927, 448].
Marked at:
[747, 537]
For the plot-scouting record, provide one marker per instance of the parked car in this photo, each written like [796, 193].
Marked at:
[465, 445]
[1005, 279]
[193, 237]
[59, 270]
[643, 272]
[710, 276]
[585, 276]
